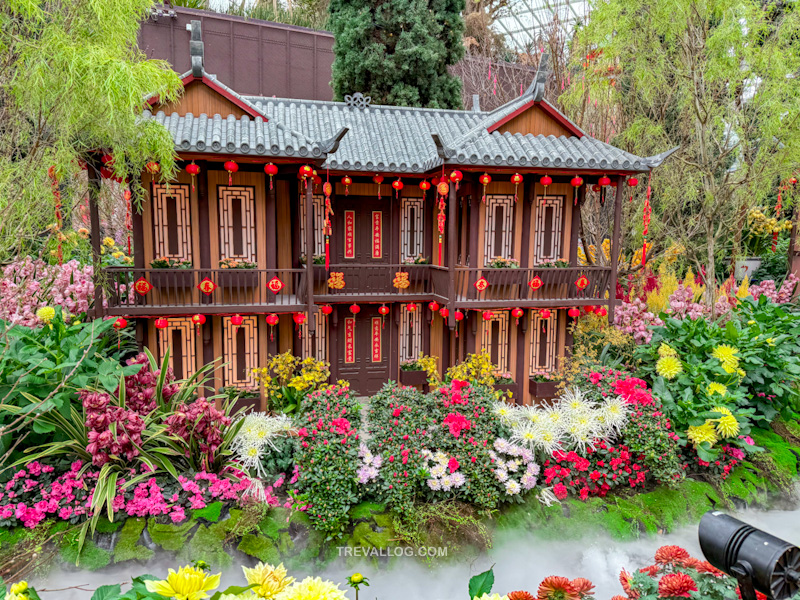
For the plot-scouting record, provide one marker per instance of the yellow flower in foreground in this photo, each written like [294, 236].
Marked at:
[716, 388]
[702, 433]
[187, 584]
[668, 367]
[117, 254]
[356, 578]
[727, 425]
[271, 580]
[726, 355]
[665, 350]
[46, 314]
[19, 588]
[107, 241]
[312, 588]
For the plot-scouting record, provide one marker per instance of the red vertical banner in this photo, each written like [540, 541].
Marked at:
[349, 234]
[377, 234]
[350, 340]
[377, 348]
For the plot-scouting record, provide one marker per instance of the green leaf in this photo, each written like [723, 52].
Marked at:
[209, 513]
[43, 427]
[107, 592]
[481, 584]
[234, 590]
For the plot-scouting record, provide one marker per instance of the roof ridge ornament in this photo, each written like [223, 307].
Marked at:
[536, 88]
[196, 48]
[358, 100]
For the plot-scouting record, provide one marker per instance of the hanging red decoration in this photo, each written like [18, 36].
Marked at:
[198, 319]
[487, 315]
[347, 181]
[397, 185]
[327, 226]
[589, 309]
[107, 160]
[434, 305]
[576, 181]
[632, 183]
[424, 185]
[604, 180]
[207, 286]
[57, 200]
[317, 180]
[231, 167]
[456, 177]
[582, 282]
[128, 219]
[142, 286]
[574, 312]
[517, 313]
[445, 312]
[646, 220]
[545, 313]
[443, 188]
[481, 284]
[306, 171]
[106, 173]
[162, 323]
[485, 180]
[120, 323]
[411, 307]
[275, 285]
[272, 320]
[299, 318]
[193, 170]
[535, 283]
[152, 167]
[355, 309]
[377, 179]
[440, 221]
[383, 310]
[516, 179]
[326, 309]
[271, 170]
[237, 320]
[459, 316]
[545, 181]
[602, 311]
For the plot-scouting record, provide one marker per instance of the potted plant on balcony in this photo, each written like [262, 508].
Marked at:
[419, 259]
[543, 385]
[177, 274]
[504, 271]
[504, 382]
[236, 274]
[757, 241]
[419, 372]
[241, 397]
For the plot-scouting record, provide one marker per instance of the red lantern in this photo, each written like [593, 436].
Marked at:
[614, 183]
[231, 167]
[456, 177]
[120, 323]
[601, 312]
[327, 189]
[347, 182]
[305, 171]
[271, 170]
[435, 180]
[152, 167]
[633, 182]
[355, 309]
[589, 309]
[485, 180]
[326, 309]
[383, 310]
[424, 185]
[545, 313]
[546, 180]
[397, 185]
[411, 307]
[517, 313]
[377, 179]
[198, 319]
[604, 180]
[237, 320]
[488, 315]
[299, 319]
[516, 179]
[576, 181]
[443, 188]
[574, 312]
[193, 170]
[434, 306]
[316, 179]
[459, 316]
[445, 312]
[162, 323]
[272, 320]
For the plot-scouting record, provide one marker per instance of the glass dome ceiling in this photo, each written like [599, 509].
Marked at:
[524, 21]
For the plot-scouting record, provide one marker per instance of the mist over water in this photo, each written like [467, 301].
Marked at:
[520, 563]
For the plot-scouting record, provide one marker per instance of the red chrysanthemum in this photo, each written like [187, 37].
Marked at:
[676, 585]
[650, 571]
[557, 588]
[583, 587]
[520, 595]
[671, 555]
[625, 581]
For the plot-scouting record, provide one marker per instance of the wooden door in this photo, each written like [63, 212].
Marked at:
[364, 226]
[363, 349]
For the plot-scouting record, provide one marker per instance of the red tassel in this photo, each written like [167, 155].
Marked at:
[327, 253]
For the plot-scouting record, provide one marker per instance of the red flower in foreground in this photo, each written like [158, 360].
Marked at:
[583, 587]
[625, 581]
[676, 585]
[557, 588]
[520, 595]
[671, 555]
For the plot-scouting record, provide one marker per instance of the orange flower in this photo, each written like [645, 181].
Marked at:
[676, 585]
[625, 579]
[650, 571]
[557, 588]
[583, 587]
[671, 555]
[520, 595]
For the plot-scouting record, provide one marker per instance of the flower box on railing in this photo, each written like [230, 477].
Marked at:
[543, 389]
[415, 378]
[237, 278]
[172, 279]
[508, 388]
[505, 276]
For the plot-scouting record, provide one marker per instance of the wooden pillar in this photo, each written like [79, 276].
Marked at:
[333, 342]
[203, 214]
[615, 248]
[271, 218]
[394, 226]
[521, 374]
[452, 248]
[294, 209]
[310, 256]
[527, 210]
[576, 225]
[474, 222]
[96, 234]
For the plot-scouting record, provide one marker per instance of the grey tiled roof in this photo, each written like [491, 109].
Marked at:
[388, 138]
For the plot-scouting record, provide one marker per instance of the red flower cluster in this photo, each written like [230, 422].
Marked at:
[107, 442]
[199, 421]
[457, 423]
[140, 389]
[561, 588]
[601, 470]
[619, 383]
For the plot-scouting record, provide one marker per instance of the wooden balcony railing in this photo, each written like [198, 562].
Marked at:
[556, 287]
[381, 282]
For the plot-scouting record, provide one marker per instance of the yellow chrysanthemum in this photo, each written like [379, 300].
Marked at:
[669, 367]
[46, 314]
[117, 254]
[19, 588]
[665, 350]
[270, 580]
[727, 425]
[312, 588]
[698, 434]
[726, 355]
[107, 241]
[716, 388]
[187, 584]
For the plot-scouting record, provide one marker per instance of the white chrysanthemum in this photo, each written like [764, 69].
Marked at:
[549, 438]
[528, 481]
[434, 484]
[440, 457]
[513, 465]
[615, 413]
[528, 435]
[458, 479]
[427, 454]
[437, 470]
[507, 413]
[447, 483]
[512, 487]
[531, 414]
[574, 402]
[502, 475]
[255, 439]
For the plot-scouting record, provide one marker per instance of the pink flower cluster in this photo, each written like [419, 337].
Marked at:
[453, 395]
[779, 296]
[106, 442]
[457, 423]
[619, 383]
[33, 494]
[199, 421]
[28, 285]
[632, 317]
[140, 389]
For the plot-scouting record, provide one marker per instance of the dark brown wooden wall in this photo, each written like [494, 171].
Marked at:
[252, 57]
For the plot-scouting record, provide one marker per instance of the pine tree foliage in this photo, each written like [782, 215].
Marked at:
[397, 51]
[72, 82]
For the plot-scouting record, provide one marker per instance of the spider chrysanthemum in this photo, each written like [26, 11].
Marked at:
[698, 434]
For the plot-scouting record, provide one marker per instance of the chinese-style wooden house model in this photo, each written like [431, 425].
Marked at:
[422, 202]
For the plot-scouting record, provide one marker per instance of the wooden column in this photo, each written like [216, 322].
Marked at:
[394, 229]
[294, 209]
[309, 198]
[204, 217]
[521, 375]
[576, 225]
[94, 223]
[452, 248]
[474, 222]
[271, 218]
[615, 248]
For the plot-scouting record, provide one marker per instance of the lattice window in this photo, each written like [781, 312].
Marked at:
[499, 234]
[172, 221]
[410, 334]
[544, 335]
[549, 228]
[237, 222]
[179, 338]
[319, 221]
[316, 346]
[240, 352]
[412, 228]
[495, 339]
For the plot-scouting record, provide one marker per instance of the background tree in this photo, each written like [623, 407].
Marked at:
[717, 78]
[72, 82]
[398, 51]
